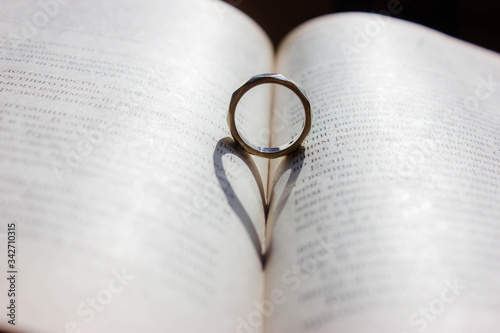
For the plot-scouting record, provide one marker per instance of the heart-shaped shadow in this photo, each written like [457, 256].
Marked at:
[277, 201]
[229, 146]
[291, 162]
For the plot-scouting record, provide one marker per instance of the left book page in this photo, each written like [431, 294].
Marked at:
[111, 172]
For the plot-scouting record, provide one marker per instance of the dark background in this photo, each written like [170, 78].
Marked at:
[475, 21]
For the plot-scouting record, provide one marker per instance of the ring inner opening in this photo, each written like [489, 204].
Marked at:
[269, 117]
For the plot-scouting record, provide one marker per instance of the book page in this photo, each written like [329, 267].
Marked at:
[129, 212]
[392, 222]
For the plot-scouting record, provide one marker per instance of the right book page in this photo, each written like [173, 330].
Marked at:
[392, 220]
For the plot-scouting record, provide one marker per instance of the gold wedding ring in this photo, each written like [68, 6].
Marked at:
[270, 152]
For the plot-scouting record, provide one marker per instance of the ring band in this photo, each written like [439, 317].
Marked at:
[271, 152]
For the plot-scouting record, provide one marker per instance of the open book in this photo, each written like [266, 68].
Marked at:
[130, 209]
